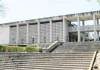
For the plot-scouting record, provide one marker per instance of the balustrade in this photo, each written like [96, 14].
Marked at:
[84, 28]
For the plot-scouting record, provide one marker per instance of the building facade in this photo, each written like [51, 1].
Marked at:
[50, 29]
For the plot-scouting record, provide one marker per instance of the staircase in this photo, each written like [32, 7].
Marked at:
[65, 47]
[87, 47]
[46, 61]
[77, 47]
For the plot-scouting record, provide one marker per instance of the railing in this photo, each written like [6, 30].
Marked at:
[93, 60]
[53, 46]
[84, 28]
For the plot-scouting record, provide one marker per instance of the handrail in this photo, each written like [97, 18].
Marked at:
[53, 46]
[93, 60]
[97, 60]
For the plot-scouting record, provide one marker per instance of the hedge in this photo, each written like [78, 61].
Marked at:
[14, 49]
[2, 48]
[5, 48]
[31, 49]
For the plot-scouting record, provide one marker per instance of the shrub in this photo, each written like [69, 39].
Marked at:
[15, 49]
[3, 48]
[32, 49]
[40, 50]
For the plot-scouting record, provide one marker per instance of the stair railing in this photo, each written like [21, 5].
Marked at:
[93, 60]
[53, 46]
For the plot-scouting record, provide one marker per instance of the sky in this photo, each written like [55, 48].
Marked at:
[17, 10]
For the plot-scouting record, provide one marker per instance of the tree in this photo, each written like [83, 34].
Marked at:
[96, 0]
[2, 8]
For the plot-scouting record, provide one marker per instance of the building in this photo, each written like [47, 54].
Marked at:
[50, 29]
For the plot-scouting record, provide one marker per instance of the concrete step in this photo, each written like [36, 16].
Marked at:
[78, 47]
[46, 61]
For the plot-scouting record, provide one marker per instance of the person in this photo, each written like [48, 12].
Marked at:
[22, 41]
[67, 38]
[44, 39]
[13, 41]
[33, 40]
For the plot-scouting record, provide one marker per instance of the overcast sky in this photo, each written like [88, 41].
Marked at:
[29, 9]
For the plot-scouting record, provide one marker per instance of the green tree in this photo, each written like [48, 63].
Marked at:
[96, 0]
[2, 8]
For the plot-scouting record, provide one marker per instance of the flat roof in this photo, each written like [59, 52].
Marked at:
[69, 17]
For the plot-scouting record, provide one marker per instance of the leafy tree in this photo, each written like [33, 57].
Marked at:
[2, 8]
[96, 0]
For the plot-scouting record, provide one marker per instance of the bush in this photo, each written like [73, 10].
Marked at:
[3, 48]
[32, 49]
[40, 50]
[14, 49]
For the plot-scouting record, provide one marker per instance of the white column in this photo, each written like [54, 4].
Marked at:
[17, 33]
[83, 32]
[27, 33]
[50, 31]
[98, 31]
[65, 30]
[78, 29]
[38, 31]
[94, 20]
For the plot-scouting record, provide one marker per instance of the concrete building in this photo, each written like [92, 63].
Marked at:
[50, 29]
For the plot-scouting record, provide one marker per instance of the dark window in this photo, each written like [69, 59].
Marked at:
[44, 22]
[54, 21]
[13, 26]
[32, 23]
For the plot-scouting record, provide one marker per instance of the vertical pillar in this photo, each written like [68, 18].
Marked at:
[78, 29]
[38, 31]
[94, 20]
[17, 34]
[50, 31]
[83, 32]
[27, 33]
[65, 30]
[98, 31]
